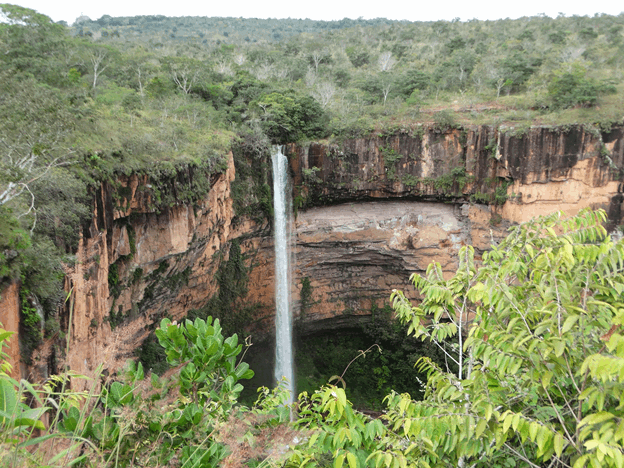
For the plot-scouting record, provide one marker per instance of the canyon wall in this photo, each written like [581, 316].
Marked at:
[392, 204]
[136, 264]
[544, 168]
[370, 212]
[9, 318]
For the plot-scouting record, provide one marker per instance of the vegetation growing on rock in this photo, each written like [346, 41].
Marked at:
[166, 96]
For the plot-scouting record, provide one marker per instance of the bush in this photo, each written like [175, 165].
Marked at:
[444, 120]
[130, 421]
[288, 117]
[571, 89]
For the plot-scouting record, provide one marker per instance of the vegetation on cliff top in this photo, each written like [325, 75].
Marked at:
[364, 73]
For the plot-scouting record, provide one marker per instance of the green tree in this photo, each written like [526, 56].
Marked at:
[454, 73]
[32, 45]
[287, 117]
[358, 55]
[337, 432]
[98, 58]
[569, 88]
[379, 86]
[535, 334]
[516, 69]
[539, 348]
[13, 241]
[184, 71]
[318, 55]
[411, 80]
[136, 69]
[35, 124]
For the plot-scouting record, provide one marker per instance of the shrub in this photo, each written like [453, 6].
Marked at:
[574, 88]
[444, 120]
[130, 421]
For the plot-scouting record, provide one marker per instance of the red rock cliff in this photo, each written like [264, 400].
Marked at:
[9, 318]
[378, 209]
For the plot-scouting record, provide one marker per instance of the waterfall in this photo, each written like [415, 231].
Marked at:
[282, 207]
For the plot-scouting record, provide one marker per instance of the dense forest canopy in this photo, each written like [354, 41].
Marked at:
[211, 29]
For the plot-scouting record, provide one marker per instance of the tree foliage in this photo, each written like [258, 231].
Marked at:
[287, 117]
[135, 420]
[33, 135]
[32, 45]
[569, 88]
[152, 95]
[538, 324]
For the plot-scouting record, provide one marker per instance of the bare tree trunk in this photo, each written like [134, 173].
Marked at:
[140, 82]
[97, 60]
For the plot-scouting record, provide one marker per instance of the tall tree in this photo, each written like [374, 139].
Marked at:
[540, 352]
[31, 44]
[185, 72]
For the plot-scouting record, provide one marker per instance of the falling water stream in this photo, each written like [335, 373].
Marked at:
[283, 320]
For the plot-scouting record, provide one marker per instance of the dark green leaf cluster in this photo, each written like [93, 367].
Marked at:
[574, 88]
[369, 377]
[288, 117]
[13, 241]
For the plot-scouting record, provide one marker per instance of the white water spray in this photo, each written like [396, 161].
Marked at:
[283, 320]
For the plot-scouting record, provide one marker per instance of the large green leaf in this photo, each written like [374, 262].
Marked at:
[8, 400]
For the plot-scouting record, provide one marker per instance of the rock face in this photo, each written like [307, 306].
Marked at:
[353, 255]
[9, 318]
[371, 212]
[134, 266]
[478, 163]
[392, 204]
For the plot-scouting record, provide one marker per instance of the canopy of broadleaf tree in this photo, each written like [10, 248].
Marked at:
[535, 351]
[542, 365]
[287, 117]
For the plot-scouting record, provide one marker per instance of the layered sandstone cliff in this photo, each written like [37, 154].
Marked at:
[353, 254]
[372, 211]
[543, 167]
[9, 318]
[135, 265]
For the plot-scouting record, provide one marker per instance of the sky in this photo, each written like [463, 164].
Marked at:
[412, 10]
